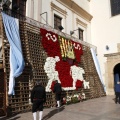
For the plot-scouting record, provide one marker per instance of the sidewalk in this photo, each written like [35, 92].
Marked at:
[102, 108]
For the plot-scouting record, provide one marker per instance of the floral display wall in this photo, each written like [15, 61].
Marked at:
[49, 56]
[62, 61]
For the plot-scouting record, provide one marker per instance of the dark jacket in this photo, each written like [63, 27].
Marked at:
[38, 93]
[57, 88]
[117, 87]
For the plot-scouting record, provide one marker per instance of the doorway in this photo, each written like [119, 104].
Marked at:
[117, 73]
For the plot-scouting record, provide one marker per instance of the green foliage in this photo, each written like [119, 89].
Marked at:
[74, 100]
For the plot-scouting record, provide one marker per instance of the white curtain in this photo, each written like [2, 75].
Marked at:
[17, 63]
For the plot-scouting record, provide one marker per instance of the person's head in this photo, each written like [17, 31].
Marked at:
[38, 82]
[56, 81]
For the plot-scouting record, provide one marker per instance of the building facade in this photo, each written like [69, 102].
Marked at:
[105, 29]
[46, 24]
[91, 21]
[73, 15]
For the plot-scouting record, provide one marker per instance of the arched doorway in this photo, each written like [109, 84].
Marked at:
[117, 73]
[112, 66]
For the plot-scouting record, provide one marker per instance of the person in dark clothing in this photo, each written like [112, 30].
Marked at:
[38, 98]
[57, 90]
[117, 92]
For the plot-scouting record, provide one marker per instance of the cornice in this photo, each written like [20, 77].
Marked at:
[70, 4]
[58, 9]
[81, 23]
[112, 54]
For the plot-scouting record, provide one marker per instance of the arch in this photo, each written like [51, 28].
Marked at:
[116, 73]
[110, 65]
[117, 68]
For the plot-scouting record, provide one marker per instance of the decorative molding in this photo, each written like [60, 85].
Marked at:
[112, 60]
[70, 4]
[112, 54]
[58, 9]
[118, 47]
[81, 23]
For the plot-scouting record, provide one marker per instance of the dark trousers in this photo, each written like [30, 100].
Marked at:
[117, 98]
[58, 96]
[37, 105]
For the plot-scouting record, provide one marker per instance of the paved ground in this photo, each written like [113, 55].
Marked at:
[94, 109]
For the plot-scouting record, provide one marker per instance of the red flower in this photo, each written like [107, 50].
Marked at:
[52, 49]
[79, 84]
[52, 86]
[77, 50]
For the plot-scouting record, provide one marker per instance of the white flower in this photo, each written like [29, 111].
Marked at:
[53, 38]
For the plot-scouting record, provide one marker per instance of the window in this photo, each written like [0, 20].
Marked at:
[57, 21]
[80, 33]
[115, 7]
[19, 7]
